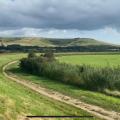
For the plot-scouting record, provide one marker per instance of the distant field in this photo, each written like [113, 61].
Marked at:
[29, 42]
[51, 42]
[96, 60]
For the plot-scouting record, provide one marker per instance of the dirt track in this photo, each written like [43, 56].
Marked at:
[95, 110]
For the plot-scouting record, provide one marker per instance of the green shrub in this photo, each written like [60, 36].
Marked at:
[91, 78]
[31, 54]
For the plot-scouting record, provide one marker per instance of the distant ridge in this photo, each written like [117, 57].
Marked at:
[52, 42]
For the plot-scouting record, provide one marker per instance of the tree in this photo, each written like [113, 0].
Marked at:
[31, 54]
[49, 55]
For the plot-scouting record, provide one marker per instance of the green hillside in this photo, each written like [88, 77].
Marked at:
[51, 42]
[27, 41]
[17, 101]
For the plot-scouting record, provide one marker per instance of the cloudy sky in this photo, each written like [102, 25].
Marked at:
[99, 19]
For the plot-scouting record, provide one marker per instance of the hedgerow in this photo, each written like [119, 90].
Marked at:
[84, 76]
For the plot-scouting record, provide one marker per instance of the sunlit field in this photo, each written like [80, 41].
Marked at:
[94, 60]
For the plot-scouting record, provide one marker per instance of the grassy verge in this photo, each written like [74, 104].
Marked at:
[102, 100]
[15, 100]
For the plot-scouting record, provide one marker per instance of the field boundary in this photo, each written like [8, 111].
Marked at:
[95, 110]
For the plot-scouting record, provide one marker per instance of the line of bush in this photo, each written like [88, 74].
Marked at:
[84, 76]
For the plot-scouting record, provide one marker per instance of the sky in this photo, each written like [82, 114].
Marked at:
[98, 19]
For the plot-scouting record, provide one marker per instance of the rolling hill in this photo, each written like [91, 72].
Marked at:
[51, 42]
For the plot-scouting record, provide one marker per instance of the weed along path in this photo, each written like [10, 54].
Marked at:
[95, 110]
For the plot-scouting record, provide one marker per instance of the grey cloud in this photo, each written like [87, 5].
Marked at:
[60, 14]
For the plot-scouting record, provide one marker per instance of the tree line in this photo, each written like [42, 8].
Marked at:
[90, 48]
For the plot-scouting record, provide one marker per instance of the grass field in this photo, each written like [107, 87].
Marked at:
[94, 60]
[108, 102]
[15, 100]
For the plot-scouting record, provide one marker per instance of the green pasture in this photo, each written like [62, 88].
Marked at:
[17, 101]
[95, 98]
[94, 60]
